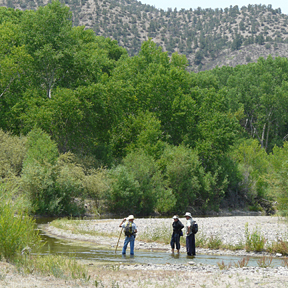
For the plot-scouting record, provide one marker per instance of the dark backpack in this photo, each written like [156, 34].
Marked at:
[128, 229]
[194, 227]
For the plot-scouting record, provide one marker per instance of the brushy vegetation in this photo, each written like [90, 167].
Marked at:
[56, 265]
[223, 266]
[242, 262]
[265, 262]
[278, 246]
[17, 230]
[255, 241]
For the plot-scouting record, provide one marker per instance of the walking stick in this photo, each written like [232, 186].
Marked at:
[118, 239]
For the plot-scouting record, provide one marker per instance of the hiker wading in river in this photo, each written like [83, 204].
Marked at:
[190, 236]
[177, 232]
[130, 231]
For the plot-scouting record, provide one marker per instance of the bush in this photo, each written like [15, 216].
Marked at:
[96, 186]
[181, 167]
[52, 183]
[277, 178]
[254, 241]
[248, 58]
[253, 164]
[124, 193]
[136, 186]
[12, 152]
[17, 230]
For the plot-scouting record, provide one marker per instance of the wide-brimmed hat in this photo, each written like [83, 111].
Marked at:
[175, 217]
[188, 214]
[130, 217]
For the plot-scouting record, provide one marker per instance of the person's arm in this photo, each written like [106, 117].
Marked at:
[135, 228]
[122, 222]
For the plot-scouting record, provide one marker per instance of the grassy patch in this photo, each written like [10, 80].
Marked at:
[279, 246]
[160, 234]
[56, 265]
[255, 241]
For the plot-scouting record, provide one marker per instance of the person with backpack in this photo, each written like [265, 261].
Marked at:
[130, 231]
[190, 236]
[177, 232]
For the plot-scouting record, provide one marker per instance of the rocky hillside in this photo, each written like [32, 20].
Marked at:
[208, 37]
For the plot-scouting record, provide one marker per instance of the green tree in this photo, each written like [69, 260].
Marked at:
[253, 165]
[261, 89]
[137, 186]
[49, 40]
[277, 177]
[50, 182]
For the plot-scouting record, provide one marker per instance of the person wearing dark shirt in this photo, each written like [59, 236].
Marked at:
[177, 232]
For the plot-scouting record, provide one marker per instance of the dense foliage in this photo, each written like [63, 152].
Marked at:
[81, 119]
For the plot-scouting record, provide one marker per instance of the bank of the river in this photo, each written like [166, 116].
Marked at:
[231, 230]
[146, 276]
[190, 274]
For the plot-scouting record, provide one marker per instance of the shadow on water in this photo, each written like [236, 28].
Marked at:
[90, 252]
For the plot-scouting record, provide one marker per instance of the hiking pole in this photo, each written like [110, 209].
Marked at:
[118, 239]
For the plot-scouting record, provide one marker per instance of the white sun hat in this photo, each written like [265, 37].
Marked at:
[188, 214]
[130, 217]
[175, 217]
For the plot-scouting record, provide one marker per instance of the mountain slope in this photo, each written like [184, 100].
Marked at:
[207, 37]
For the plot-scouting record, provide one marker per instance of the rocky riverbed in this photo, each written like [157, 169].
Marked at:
[230, 230]
[105, 233]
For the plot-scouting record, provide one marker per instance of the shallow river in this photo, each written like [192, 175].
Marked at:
[91, 252]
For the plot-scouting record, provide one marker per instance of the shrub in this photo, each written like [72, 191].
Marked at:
[51, 182]
[201, 240]
[17, 230]
[279, 246]
[265, 262]
[214, 242]
[242, 263]
[12, 152]
[254, 241]
[277, 177]
[136, 186]
[223, 266]
[181, 167]
[96, 185]
[268, 46]
[124, 193]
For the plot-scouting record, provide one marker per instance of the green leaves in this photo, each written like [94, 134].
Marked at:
[138, 187]
[17, 229]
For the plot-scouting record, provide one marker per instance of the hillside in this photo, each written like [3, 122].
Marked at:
[207, 37]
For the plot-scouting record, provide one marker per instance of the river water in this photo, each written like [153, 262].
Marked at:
[92, 252]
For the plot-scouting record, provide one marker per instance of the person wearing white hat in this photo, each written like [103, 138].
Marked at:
[190, 237]
[130, 230]
[177, 232]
